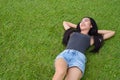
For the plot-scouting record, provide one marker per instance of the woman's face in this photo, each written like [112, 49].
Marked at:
[85, 24]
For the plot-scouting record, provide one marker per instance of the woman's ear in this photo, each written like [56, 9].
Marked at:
[91, 27]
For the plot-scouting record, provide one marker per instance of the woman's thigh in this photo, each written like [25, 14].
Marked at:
[60, 66]
[74, 73]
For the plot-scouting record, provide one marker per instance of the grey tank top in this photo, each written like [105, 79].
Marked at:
[78, 41]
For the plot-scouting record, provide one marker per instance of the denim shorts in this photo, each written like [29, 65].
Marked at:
[73, 58]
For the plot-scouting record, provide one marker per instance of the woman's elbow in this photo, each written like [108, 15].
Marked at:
[113, 32]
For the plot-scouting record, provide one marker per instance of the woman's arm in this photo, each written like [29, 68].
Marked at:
[106, 33]
[68, 25]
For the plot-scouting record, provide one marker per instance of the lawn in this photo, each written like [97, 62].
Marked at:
[31, 32]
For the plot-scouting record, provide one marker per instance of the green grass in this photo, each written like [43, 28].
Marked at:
[31, 33]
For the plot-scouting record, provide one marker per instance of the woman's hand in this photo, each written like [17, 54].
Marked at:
[68, 25]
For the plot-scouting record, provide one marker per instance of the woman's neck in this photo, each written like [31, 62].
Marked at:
[84, 32]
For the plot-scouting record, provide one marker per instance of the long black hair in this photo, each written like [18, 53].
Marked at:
[98, 38]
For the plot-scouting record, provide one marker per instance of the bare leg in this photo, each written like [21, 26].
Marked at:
[60, 69]
[74, 74]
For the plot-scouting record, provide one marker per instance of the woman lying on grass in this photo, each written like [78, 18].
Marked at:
[70, 64]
